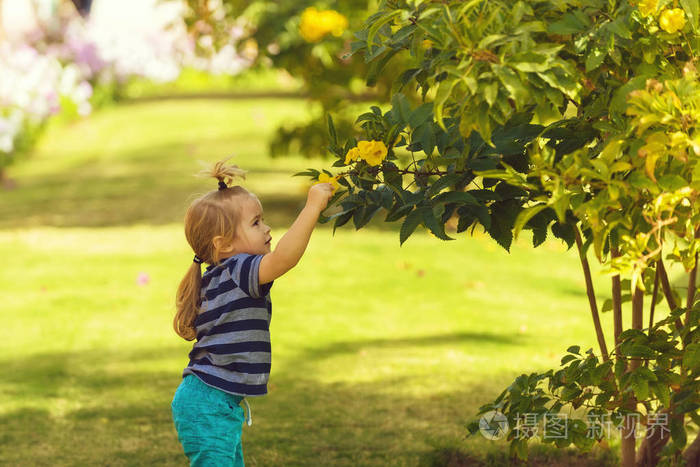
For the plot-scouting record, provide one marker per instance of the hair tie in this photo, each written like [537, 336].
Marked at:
[198, 260]
[222, 185]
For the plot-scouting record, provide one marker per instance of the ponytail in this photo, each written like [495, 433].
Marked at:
[216, 213]
[187, 302]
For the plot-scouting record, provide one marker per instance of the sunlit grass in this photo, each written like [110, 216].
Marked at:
[381, 353]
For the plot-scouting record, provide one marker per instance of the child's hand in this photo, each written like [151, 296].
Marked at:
[319, 194]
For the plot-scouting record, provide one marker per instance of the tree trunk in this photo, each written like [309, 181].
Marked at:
[654, 441]
[628, 432]
[691, 455]
[591, 295]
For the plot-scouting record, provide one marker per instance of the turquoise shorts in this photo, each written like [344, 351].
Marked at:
[209, 423]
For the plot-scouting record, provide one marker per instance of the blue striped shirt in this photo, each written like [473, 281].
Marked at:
[232, 351]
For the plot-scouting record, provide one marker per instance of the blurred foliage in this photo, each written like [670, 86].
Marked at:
[311, 41]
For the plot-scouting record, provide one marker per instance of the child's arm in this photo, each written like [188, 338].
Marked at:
[292, 245]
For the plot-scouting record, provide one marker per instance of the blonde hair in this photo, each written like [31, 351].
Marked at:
[213, 214]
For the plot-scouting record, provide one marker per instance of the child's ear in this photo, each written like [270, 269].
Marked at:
[222, 245]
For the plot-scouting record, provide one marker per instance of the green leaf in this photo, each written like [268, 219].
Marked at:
[377, 66]
[409, 224]
[401, 107]
[640, 387]
[672, 182]
[331, 131]
[691, 357]
[425, 135]
[678, 433]
[574, 349]
[638, 350]
[461, 197]
[570, 392]
[503, 215]
[607, 305]
[443, 182]
[662, 392]
[569, 24]
[595, 59]
[309, 172]
[443, 93]
[398, 211]
[436, 227]
[511, 81]
[564, 232]
[567, 358]
[490, 92]
[420, 115]
[524, 216]
[378, 23]
[342, 220]
[691, 10]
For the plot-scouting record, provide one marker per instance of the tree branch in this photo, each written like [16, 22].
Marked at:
[617, 302]
[666, 286]
[691, 289]
[654, 294]
[591, 295]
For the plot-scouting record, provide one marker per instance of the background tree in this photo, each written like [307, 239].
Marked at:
[309, 40]
[575, 117]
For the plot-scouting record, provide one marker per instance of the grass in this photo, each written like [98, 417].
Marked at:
[381, 353]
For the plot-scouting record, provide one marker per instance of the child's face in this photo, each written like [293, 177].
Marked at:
[253, 235]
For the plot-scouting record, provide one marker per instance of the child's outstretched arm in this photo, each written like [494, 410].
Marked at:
[292, 245]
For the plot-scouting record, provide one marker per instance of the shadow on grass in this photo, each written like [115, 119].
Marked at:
[349, 347]
[151, 186]
[103, 408]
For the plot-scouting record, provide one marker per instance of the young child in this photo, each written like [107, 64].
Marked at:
[228, 310]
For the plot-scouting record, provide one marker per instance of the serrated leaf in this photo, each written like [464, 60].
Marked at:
[524, 216]
[420, 115]
[413, 220]
[436, 227]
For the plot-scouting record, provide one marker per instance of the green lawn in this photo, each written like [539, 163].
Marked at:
[381, 353]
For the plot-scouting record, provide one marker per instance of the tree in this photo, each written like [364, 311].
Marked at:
[575, 117]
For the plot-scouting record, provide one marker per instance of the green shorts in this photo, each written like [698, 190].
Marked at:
[209, 423]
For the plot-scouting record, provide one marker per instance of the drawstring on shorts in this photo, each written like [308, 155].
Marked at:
[249, 418]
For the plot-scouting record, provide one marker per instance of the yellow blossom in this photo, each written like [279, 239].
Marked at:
[325, 178]
[427, 43]
[672, 20]
[316, 24]
[647, 7]
[352, 155]
[373, 152]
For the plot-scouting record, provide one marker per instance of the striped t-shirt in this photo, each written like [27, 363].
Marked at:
[232, 351]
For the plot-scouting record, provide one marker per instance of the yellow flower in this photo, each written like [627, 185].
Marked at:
[316, 24]
[647, 7]
[325, 178]
[427, 43]
[352, 155]
[373, 152]
[672, 20]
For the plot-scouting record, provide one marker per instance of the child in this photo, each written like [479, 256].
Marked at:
[228, 311]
